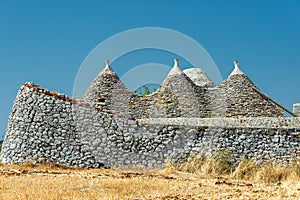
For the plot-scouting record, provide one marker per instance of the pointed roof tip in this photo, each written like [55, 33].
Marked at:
[236, 69]
[107, 63]
[176, 69]
[236, 63]
[107, 69]
[176, 62]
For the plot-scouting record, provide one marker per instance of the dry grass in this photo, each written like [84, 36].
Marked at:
[196, 179]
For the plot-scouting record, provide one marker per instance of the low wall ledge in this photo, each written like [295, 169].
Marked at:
[234, 122]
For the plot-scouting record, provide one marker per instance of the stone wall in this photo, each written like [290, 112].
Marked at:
[231, 123]
[169, 104]
[296, 109]
[44, 125]
[41, 126]
[261, 145]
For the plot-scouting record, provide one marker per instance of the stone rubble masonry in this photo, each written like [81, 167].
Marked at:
[199, 77]
[243, 100]
[296, 109]
[232, 122]
[48, 126]
[180, 96]
[108, 92]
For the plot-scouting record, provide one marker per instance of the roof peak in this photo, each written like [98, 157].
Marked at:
[198, 76]
[175, 76]
[176, 69]
[107, 69]
[236, 69]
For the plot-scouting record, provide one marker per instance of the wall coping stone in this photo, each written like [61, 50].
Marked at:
[232, 122]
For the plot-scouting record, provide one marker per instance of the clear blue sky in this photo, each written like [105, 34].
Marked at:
[46, 41]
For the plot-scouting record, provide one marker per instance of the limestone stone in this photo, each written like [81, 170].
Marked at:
[188, 120]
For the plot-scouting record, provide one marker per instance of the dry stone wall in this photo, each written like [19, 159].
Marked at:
[46, 126]
[261, 145]
[296, 109]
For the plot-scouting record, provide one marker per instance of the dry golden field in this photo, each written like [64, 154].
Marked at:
[191, 181]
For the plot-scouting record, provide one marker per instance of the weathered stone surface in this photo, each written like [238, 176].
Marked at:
[85, 137]
[189, 94]
[108, 92]
[199, 77]
[242, 100]
[195, 121]
[296, 109]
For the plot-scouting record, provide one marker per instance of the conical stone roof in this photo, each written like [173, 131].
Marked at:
[107, 91]
[189, 96]
[199, 77]
[243, 100]
[176, 78]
